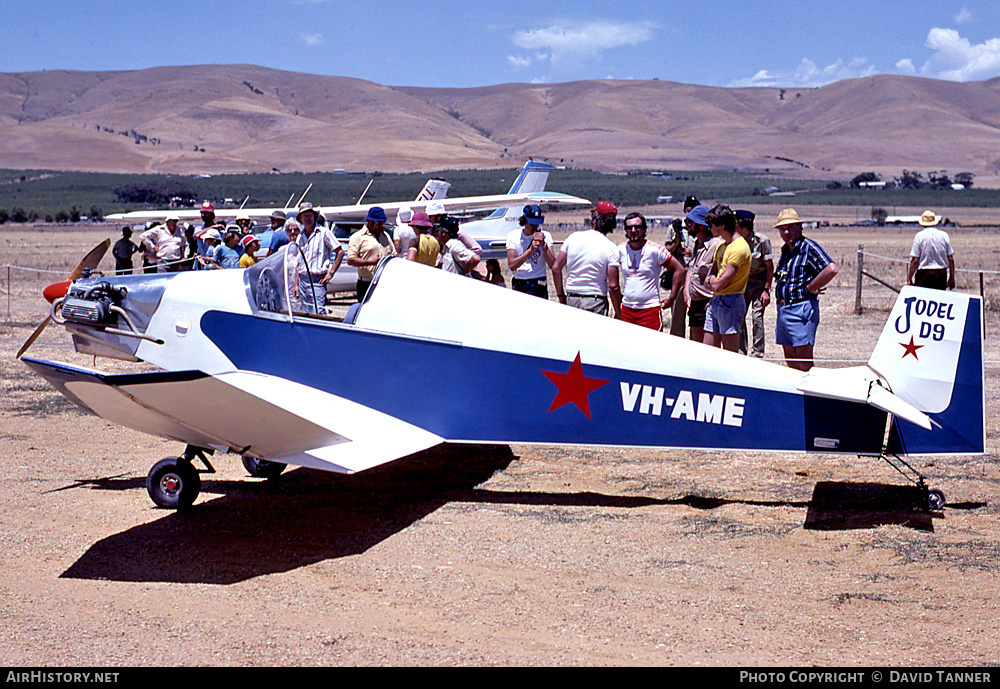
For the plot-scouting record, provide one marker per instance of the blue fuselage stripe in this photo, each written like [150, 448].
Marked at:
[479, 395]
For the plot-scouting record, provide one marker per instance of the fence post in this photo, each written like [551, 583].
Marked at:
[982, 296]
[861, 270]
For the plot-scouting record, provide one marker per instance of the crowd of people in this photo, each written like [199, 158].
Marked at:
[714, 270]
[172, 246]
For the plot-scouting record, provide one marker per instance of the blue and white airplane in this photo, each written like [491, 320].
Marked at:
[242, 369]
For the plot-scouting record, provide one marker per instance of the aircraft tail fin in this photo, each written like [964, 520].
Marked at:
[931, 355]
[532, 178]
[434, 189]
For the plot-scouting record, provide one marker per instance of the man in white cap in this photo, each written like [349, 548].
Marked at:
[932, 260]
[403, 235]
[802, 274]
[323, 255]
[168, 243]
[209, 239]
[436, 211]
[245, 223]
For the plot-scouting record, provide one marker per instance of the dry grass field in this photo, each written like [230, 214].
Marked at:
[490, 556]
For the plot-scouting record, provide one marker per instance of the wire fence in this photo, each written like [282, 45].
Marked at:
[21, 288]
[879, 279]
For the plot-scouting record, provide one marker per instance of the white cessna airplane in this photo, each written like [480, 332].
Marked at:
[490, 233]
[528, 188]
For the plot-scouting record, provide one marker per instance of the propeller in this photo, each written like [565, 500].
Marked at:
[59, 289]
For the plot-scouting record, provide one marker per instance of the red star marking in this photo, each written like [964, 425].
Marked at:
[573, 387]
[910, 348]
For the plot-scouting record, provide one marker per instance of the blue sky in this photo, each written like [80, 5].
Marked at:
[461, 44]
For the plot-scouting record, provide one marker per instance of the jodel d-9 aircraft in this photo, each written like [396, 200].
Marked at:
[242, 368]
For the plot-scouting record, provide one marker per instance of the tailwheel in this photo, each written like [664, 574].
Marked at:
[935, 499]
[262, 468]
[173, 483]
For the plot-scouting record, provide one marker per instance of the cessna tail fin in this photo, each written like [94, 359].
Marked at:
[434, 189]
[532, 178]
[931, 355]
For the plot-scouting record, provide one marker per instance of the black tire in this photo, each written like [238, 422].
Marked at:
[261, 468]
[935, 499]
[173, 484]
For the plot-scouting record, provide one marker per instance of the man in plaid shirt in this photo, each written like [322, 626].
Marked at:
[803, 272]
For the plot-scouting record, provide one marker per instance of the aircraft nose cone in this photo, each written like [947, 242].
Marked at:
[56, 290]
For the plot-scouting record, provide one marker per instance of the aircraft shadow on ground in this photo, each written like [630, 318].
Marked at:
[833, 507]
[303, 517]
[840, 506]
[308, 516]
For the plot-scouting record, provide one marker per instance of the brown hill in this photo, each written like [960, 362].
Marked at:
[228, 118]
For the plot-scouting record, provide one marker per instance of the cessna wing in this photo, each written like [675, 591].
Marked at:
[356, 212]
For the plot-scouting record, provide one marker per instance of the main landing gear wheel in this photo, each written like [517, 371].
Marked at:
[261, 468]
[173, 483]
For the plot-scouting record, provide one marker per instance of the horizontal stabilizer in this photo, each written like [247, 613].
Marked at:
[859, 384]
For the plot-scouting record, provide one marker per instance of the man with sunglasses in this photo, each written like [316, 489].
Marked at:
[639, 265]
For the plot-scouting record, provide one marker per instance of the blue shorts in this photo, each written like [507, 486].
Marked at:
[725, 313]
[797, 323]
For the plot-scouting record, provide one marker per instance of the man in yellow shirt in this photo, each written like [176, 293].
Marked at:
[724, 316]
[367, 247]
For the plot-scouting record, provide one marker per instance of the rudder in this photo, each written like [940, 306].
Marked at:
[931, 354]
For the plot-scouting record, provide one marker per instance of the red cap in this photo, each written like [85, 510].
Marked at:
[207, 207]
[249, 239]
[606, 208]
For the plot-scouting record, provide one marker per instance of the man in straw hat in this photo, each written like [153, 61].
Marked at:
[803, 272]
[167, 242]
[932, 260]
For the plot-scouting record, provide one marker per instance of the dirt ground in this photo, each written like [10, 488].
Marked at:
[492, 556]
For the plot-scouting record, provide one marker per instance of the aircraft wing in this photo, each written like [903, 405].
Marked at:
[467, 203]
[260, 215]
[250, 413]
[357, 212]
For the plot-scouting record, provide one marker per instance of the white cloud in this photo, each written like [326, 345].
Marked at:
[957, 59]
[964, 16]
[905, 66]
[808, 75]
[311, 39]
[519, 62]
[571, 45]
